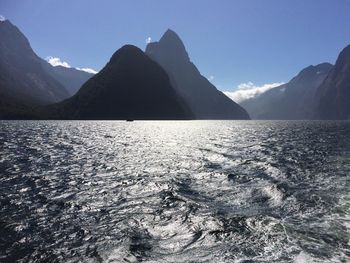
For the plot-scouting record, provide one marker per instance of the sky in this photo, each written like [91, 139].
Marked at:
[237, 44]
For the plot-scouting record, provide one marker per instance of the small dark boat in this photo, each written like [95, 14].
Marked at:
[129, 120]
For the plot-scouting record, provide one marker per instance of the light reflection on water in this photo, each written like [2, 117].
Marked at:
[200, 191]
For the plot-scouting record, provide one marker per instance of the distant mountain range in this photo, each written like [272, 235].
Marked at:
[291, 101]
[160, 83]
[317, 92]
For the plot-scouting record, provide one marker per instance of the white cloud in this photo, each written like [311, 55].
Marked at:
[148, 40]
[54, 61]
[210, 78]
[249, 90]
[88, 70]
[2, 18]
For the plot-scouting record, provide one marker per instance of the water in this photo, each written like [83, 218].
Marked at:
[201, 191]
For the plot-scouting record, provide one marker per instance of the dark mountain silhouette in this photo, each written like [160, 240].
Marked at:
[205, 101]
[333, 96]
[23, 81]
[291, 101]
[72, 79]
[130, 86]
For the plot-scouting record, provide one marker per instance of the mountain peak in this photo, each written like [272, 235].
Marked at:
[170, 31]
[7, 23]
[126, 50]
[170, 34]
[170, 41]
[129, 47]
[24, 79]
[171, 38]
[11, 34]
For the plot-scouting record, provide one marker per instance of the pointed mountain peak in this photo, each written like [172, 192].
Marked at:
[170, 35]
[13, 38]
[170, 31]
[169, 45]
[171, 38]
[6, 23]
[7, 27]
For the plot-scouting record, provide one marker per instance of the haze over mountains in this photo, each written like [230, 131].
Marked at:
[71, 78]
[160, 83]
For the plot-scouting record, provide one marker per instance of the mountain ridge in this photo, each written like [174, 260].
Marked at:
[291, 101]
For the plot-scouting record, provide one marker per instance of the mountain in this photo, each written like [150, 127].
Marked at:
[130, 86]
[333, 96]
[23, 81]
[205, 101]
[291, 101]
[72, 79]
[26, 80]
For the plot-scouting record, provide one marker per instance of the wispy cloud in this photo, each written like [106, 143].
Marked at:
[249, 90]
[148, 40]
[2, 18]
[54, 61]
[88, 70]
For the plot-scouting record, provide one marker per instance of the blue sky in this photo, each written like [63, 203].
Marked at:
[234, 41]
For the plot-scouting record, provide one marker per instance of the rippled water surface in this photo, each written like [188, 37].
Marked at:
[201, 191]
